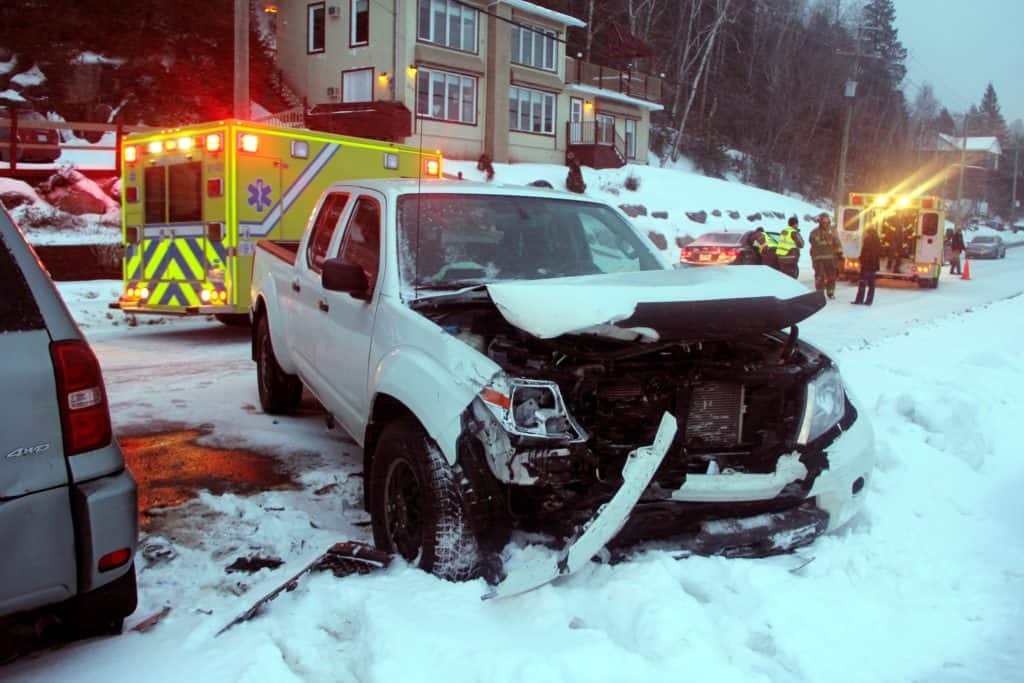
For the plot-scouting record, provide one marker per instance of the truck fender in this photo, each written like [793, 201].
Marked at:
[430, 391]
[265, 303]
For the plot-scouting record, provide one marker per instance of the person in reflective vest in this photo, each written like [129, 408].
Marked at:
[767, 251]
[788, 249]
[824, 248]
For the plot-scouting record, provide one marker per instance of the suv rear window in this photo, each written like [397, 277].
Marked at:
[18, 309]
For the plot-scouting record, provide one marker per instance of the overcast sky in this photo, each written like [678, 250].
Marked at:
[959, 46]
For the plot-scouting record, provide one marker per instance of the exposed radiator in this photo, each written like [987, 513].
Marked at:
[716, 415]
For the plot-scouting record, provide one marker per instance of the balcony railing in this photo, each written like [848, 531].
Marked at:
[626, 82]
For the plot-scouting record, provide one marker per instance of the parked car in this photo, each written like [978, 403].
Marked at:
[42, 136]
[525, 359]
[720, 249]
[986, 246]
[68, 504]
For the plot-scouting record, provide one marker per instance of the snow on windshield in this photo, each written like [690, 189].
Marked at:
[451, 240]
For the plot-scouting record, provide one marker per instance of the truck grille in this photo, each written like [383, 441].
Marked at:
[716, 415]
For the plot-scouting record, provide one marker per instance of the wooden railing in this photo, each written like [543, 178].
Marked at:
[12, 144]
[595, 133]
[625, 82]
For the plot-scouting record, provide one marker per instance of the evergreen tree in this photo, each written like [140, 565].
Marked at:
[990, 119]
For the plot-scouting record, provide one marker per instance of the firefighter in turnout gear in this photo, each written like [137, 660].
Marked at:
[909, 241]
[824, 247]
[788, 249]
[892, 245]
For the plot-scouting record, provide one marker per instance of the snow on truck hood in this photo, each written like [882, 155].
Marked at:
[687, 303]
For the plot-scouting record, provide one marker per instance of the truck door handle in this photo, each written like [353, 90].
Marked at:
[296, 287]
[322, 305]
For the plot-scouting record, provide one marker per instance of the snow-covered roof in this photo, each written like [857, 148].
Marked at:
[614, 96]
[973, 144]
[531, 8]
[93, 58]
[12, 96]
[7, 67]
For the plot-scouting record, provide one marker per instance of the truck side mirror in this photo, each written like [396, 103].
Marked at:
[341, 276]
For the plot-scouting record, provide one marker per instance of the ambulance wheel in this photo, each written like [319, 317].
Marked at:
[416, 504]
[233, 319]
[279, 391]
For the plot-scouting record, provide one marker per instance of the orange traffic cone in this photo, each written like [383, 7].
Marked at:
[967, 270]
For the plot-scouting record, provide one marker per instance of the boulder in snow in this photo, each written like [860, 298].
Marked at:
[716, 213]
[660, 214]
[72, 192]
[112, 187]
[735, 215]
[698, 216]
[754, 217]
[633, 210]
[15, 193]
[659, 240]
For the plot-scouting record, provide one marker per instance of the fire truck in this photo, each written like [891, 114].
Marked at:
[910, 228]
[195, 200]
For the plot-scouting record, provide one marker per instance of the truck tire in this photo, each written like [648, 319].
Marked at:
[416, 504]
[279, 392]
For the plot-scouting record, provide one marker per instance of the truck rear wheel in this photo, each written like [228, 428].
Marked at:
[279, 391]
[416, 504]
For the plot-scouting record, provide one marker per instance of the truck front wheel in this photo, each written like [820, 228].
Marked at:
[416, 504]
[279, 391]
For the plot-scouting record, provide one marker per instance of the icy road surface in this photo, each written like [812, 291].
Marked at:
[927, 584]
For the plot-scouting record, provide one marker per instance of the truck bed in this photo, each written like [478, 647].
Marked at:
[286, 250]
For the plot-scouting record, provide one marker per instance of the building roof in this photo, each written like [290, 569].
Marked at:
[949, 143]
[614, 96]
[537, 10]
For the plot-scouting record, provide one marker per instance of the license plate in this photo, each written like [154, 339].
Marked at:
[704, 257]
[41, 138]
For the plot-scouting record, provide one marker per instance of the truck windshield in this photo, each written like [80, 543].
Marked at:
[454, 240]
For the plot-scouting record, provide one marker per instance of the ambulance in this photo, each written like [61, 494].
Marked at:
[912, 227]
[195, 200]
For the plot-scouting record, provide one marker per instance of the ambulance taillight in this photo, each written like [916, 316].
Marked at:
[155, 147]
[214, 142]
[131, 154]
[857, 200]
[432, 167]
[927, 204]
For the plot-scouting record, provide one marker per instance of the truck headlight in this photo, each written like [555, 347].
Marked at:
[531, 407]
[825, 405]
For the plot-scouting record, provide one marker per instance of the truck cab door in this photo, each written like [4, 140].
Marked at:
[346, 327]
[300, 295]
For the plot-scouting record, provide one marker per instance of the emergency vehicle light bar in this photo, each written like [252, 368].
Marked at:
[131, 154]
[248, 142]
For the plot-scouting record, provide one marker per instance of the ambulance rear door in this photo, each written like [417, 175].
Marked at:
[929, 242]
[850, 218]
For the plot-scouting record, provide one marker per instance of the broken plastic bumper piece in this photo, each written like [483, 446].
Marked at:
[611, 517]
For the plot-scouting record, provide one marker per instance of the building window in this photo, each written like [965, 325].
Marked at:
[359, 30]
[534, 46]
[446, 96]
[315, 27]
[531, 111]
[448, 23]
[631, 138]
[357, 86]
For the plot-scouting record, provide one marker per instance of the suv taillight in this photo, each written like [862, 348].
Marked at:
[83, 400]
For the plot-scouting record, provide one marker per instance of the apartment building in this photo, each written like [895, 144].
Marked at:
[466, 77]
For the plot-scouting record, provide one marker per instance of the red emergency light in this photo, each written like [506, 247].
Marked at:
[927, 204]
[131, 154]
[214, 142]
[857, 200]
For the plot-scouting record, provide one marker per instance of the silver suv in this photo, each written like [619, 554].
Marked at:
[68, 504]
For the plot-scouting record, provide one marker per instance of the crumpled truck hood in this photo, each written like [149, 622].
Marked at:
[658, 305]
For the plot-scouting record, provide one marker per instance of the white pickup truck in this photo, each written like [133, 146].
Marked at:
[520, 358]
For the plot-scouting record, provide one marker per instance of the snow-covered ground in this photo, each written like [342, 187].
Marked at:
[926, 584]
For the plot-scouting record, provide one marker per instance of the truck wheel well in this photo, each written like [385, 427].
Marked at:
[259, 310]
[386, 409]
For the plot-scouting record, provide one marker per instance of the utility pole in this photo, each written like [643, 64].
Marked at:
[241, 80]
[849, 93]
[960, 184]
[1013, 199]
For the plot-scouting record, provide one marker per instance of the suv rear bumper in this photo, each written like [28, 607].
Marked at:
[105, 512]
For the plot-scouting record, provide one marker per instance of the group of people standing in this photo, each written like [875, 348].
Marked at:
[826, 255]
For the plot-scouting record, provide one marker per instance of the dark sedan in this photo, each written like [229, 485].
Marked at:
[720, 249]
[986, 246]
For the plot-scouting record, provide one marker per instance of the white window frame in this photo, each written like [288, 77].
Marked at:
[311, 10]
[448, 80]
[534, 46]
[352, 42]
[468, 25]
[540, 115]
